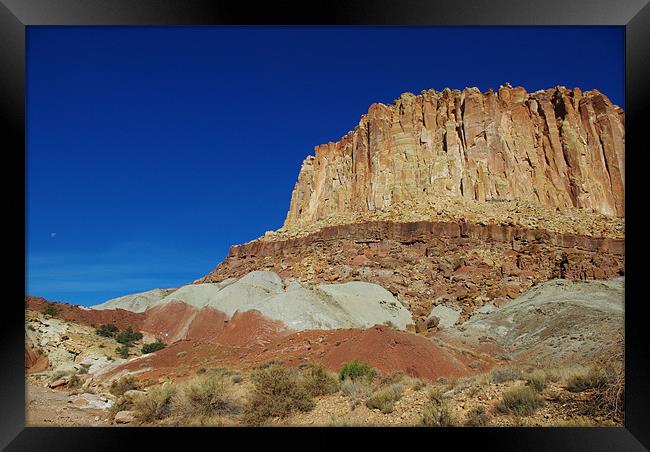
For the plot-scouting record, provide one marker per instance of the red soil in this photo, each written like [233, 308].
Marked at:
[210, 339]
[72, 313]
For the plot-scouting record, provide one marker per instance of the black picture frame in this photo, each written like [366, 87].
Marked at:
[16, 15]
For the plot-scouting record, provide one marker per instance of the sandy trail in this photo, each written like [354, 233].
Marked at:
[46, 407]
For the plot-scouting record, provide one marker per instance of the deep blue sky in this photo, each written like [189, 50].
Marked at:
[151, 150]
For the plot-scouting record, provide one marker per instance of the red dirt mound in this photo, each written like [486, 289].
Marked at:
[381, 347]
[72, 313]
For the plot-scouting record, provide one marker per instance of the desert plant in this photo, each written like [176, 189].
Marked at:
[120, 386]
[180, 354]
[153, 347]
[356, 370]
[477, 417]
[210, 396]
[437, 415]
[156, 404]
[520, 401]
[74, 382]
[504, 374]
[415, 383]
[385, 399]
[391, 378]
[60, 374]
[318, 381]
[436, 394]
[122, 351]
[107, 330]
[356, 390]
[128, 336]
[236, 378]
[51, 309]
[277, 392]
[537, 380]
[594, 377]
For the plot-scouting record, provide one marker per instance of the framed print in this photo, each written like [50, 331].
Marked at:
[355, 217]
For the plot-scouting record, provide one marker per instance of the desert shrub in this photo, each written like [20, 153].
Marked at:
[436, 394]
[128, 336]
[51, 309]
[593, 378]
[537, 380]
[122, 351]
[356, 370]
[74, 382]
[120, 386]
[391, 378]
[210, 396]
[156, 404]
[107, 330]
[390, 324]
[236, 378]
[415, 383]
[520, 401]
[505, 374]
[269, 363]
[385, 399]
[356, 390]
[84, 369]
[318, 381]
[153, 347]
[60, 374]
[201, 370]
[477, 417]
[436, 415]
[180, 354]
[277, 392]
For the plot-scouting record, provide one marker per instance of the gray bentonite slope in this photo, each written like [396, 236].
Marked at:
[557, 321]
[353, 304]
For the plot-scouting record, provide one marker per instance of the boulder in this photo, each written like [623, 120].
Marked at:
[124, 417]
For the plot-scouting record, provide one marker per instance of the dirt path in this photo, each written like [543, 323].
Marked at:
[46, 407]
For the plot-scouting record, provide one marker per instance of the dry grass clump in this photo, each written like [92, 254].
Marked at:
[609, 395]
[210, 396]
[119, 387]
[436, 394]
[437, 415]
[278, 391]
[520, 401]
[414, 383]
[318, 381]
[391, 378]
[384, 399]
[356, 390]
[477, 417]
[156, 404]
[504, 374]
[537, 380]
[594, 377]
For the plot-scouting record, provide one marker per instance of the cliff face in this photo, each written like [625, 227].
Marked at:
[558, 147]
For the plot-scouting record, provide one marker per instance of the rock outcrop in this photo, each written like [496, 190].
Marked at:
[556, 147]
[425, 264]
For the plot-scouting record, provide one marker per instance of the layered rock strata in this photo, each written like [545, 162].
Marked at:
[556, 147]
[424, 264]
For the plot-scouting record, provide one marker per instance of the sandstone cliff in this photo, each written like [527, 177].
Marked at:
[558, 148]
